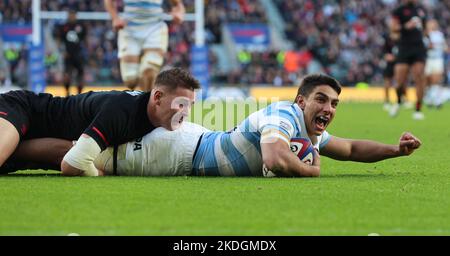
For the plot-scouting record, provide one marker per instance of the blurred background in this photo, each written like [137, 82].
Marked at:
[249, 42]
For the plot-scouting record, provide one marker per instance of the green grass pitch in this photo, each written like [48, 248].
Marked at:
[403, 196]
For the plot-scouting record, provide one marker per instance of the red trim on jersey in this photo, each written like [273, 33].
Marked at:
[3, 113]
[101, 135]
[24, 129]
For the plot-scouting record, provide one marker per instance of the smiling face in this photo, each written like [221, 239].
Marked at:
[319, 108]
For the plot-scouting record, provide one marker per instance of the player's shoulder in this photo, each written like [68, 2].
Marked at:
[285, 112]
[282, 108]
[116, 99]
[280, 105]
[126, 95]
[132, 93]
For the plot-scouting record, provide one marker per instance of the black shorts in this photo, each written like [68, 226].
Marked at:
[411, 54]
[15, 106]
[74, 63]
[389, 70]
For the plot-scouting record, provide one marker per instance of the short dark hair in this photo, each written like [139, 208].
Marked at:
[309, 82]
[177, 77]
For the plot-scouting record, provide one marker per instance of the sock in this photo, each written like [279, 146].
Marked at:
[67, 86]
[399, 92]
[418, 105]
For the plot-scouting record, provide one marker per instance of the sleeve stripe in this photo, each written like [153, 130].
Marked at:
[101, 135]
[276, 123]
[270, 134]
[325, 142]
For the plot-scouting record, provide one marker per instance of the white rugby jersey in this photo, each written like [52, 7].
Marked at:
[238, 153]
[437, 40]
[141, 12]
[159, 153]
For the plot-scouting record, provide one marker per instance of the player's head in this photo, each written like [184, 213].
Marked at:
[318, 98]
[432, 25]
[72, 15]
[173, 96]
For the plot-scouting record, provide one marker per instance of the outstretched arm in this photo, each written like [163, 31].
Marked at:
[369, 151]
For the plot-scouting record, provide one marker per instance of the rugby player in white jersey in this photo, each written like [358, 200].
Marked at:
[142, 38]
[435, 63]
[261, 139]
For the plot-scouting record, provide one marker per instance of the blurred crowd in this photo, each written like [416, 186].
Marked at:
[341, 38]
[345, 38]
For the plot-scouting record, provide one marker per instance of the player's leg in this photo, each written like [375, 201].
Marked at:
[14, 121]
[401, 75]
[67, 76]
[436, 78]
[129, 55]
[46, 151]
[418, 73]
[154, 48]
[129, 66]
[42, 153]
[388, 83]
[150, 65]
[419, 80]
[427, 98]
[80, 75]
[9, 138]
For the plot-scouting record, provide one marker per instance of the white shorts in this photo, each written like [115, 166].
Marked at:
[434, 66]
[133, 39]
[159, 153]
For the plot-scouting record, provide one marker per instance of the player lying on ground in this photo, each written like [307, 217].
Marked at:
[261, 139]
[96, 119]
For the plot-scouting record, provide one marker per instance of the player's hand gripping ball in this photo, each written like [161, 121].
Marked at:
[302, 148]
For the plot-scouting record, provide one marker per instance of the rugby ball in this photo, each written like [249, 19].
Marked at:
[302, 148]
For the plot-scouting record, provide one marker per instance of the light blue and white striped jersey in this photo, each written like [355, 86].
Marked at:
[437, 40]
[238, 153]
[141, 12]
